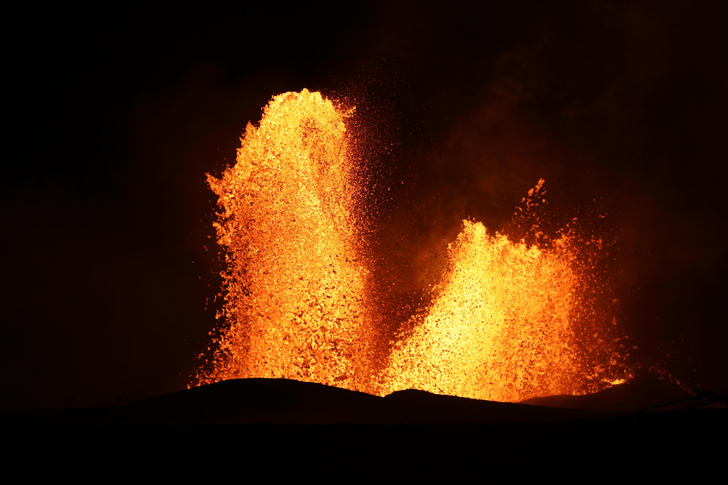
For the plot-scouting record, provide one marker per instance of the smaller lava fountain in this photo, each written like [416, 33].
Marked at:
[501, 326]
[510, 320]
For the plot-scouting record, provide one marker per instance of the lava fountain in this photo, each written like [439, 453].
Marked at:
[294, 283]
[508, 322]
[512, 321]
[502, 325]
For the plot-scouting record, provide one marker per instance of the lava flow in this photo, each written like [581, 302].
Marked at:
[509, 321]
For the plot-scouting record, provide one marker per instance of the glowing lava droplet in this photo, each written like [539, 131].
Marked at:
[294, 282]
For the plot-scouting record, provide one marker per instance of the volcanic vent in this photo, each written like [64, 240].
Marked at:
[509, 320]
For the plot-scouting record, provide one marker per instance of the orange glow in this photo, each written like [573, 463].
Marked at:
[500, 327]
[294, 281]
[511, 321]
[508, 322]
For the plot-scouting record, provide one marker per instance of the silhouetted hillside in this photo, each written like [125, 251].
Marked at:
[271, 431]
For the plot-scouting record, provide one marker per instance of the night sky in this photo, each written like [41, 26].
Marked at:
[108, 255]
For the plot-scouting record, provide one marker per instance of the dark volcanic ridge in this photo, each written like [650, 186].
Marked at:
[283, 401]
[284, 431]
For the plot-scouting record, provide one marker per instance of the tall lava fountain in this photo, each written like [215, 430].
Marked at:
[294, 282]
[508, 321]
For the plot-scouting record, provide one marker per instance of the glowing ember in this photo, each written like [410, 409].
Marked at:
[509, 321]
[294, 283]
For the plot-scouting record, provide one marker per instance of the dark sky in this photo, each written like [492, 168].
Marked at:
[118, 114]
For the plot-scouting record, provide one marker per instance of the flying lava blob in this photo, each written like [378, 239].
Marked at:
[294, 282]
[513, 318]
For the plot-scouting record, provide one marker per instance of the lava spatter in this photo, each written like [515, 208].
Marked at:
[295, 284]
[512, 319]
[516, 315]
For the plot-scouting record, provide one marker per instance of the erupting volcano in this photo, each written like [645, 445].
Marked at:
[509, 320]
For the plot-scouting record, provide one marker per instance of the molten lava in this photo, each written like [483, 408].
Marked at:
[294, 283]
[500, 327]
[509, 321]
[512, 321]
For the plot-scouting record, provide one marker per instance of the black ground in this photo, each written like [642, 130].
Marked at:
[268, 431]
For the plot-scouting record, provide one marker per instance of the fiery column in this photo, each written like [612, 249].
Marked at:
[288, 223]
